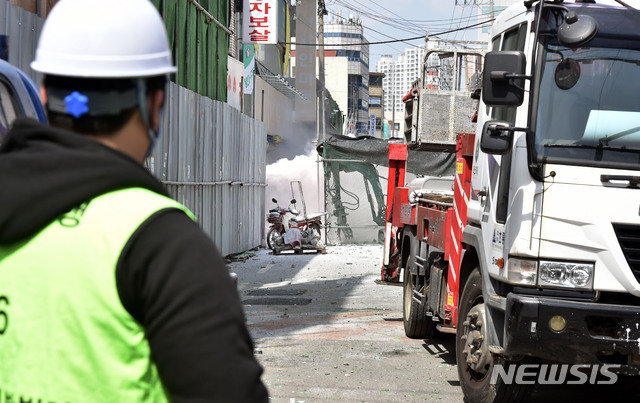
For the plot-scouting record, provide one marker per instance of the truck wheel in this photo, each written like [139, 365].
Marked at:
[272, 235]
[475, 362]
[417, 325]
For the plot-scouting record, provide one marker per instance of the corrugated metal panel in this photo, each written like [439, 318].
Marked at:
[22, 29]
[212, 158]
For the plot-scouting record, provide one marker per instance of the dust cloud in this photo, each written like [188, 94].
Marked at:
[303, 168]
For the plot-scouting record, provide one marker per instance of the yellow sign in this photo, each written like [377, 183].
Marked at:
[459, 167]
[450, 299]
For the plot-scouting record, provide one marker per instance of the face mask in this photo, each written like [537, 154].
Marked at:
[143, 107]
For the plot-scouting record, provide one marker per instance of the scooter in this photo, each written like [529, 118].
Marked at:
[281, 222]
[278, 223]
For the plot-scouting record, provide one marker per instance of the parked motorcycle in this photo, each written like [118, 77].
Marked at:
[279, 225]
[281, 219]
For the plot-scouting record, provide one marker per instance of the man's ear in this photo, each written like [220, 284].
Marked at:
[43, 95]
[155, 101]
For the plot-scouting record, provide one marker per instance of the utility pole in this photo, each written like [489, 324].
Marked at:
[322, 11]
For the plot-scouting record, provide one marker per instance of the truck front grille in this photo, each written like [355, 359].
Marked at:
[629, 238]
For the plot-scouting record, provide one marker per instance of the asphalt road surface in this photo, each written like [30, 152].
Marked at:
[324, 331]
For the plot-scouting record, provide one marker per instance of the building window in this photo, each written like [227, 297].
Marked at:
[375, 102]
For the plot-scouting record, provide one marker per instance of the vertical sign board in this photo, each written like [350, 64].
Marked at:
[385, 130]
[249, 68]
[305, 68]
[372, 124]
[235, 71]
[260, 21]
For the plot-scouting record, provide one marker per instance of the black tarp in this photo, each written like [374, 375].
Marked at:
[430, 160]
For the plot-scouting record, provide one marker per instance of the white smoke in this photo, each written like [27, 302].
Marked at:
[304, 168]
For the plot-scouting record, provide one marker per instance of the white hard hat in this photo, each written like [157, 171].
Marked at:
[103, 39]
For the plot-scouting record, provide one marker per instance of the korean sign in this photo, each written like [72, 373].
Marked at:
[260, 21]
[249, 67]
[372, 124]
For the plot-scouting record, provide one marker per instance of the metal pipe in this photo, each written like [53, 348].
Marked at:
[434, 202]
[211, 17]
[177, 183]
[340, 160]
[354, 226]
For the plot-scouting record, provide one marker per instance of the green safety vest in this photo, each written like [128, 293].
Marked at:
[64, 334]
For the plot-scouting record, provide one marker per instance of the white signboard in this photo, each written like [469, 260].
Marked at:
[235, 70]
[260, 21]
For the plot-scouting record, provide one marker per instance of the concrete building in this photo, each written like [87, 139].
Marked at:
[347, 71]
[487, 9]
[376, 104]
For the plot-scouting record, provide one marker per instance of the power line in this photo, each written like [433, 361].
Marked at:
[393, 40]
[370, 29]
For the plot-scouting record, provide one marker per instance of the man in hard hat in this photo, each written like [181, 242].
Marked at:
[109, 291]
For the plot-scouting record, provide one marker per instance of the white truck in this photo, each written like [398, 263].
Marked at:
[534, 257]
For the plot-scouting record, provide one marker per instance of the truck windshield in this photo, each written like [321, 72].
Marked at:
[589, 107]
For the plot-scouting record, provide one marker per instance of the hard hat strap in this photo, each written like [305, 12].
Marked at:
[91, 103]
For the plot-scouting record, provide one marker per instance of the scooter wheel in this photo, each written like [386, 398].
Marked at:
[272, 235]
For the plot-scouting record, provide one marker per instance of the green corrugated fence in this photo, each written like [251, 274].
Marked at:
[198, 44]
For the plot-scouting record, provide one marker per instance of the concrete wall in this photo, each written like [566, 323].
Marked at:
[273, 108]
[336, 69]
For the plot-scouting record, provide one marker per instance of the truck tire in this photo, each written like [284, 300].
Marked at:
[417, 325]
[272, 235]
[474, 361]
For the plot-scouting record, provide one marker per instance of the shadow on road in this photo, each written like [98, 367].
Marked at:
[443, 347]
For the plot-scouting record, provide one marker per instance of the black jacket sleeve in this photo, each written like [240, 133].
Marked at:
[172, 279]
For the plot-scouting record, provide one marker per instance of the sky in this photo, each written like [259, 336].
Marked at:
[385, 20]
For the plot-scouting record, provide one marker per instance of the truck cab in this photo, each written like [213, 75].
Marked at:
[554, 211]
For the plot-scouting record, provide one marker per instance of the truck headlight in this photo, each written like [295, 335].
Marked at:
[522, 271]
[566, 275]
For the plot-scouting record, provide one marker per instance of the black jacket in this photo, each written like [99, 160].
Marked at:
[170, 276]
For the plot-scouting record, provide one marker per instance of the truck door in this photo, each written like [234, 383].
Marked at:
[496, 178]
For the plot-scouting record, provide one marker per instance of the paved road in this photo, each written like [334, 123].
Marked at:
[325, 331]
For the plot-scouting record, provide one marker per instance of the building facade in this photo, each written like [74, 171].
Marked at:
[346, 58]
[376, 105]
[488, 9]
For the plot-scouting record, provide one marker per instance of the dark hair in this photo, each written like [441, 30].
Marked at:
[104, 124]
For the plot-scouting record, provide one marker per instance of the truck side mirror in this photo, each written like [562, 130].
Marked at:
[503, 78]
[577, 30]
[497, 137]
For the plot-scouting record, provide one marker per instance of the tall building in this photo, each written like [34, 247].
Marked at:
[399, 75]
[346, 59]
[488, 9]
